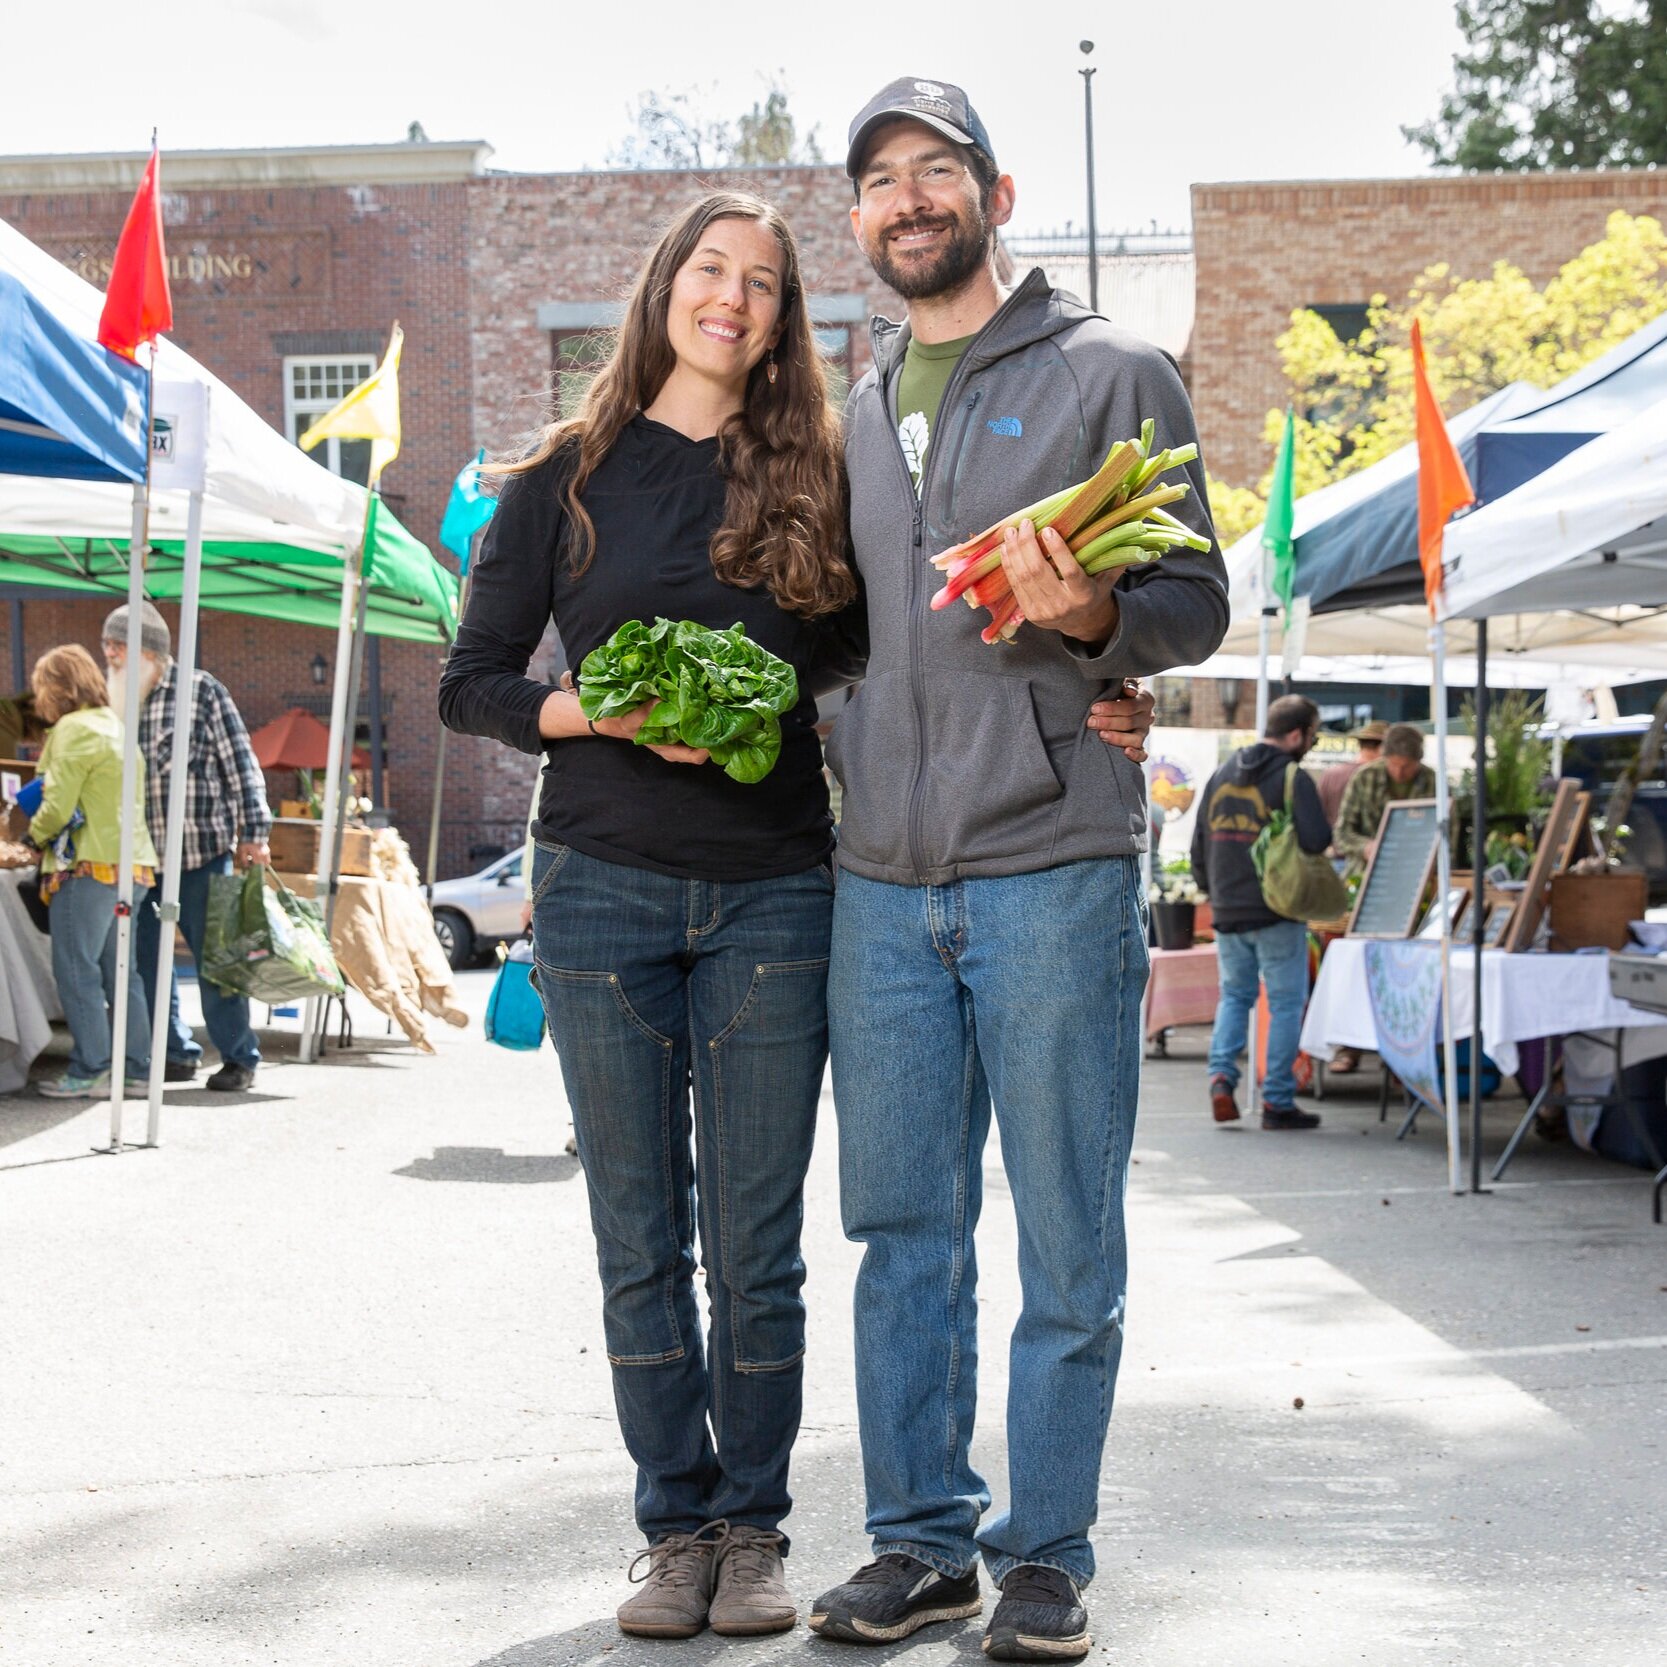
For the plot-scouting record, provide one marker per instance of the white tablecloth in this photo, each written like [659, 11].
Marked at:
[28, 994]
[1523, 996]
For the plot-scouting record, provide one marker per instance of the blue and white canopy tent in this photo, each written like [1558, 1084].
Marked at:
[69, 409]
[1357, 548]
[276, 530]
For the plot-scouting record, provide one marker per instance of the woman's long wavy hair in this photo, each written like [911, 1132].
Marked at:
[784, 523]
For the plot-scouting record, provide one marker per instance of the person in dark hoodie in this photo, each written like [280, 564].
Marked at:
[989, 938]
[1253, 944]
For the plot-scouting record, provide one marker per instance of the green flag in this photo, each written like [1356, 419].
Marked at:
[1276, 529]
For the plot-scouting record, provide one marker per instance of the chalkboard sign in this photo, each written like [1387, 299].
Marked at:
[1399, 873]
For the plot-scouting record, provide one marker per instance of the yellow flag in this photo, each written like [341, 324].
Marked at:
[370, 412]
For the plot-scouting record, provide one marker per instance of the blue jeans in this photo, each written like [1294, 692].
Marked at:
[1278, 957]
[226, 1016]
[659, 989]
[1024, 991]
[83, 917]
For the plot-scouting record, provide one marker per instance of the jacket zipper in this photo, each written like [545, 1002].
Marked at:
[917, 794]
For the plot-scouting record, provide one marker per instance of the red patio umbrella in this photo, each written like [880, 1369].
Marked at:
[298, 741]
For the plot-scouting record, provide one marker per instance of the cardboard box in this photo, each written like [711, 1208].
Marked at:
[295, 847]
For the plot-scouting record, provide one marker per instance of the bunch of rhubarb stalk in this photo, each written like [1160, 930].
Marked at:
[1111, 520]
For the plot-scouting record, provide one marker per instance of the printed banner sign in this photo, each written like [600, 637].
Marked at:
[1404, 982]
[179, 436]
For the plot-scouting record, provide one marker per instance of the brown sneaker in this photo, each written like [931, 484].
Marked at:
[1223, 1107]
[677, 1590]
[752, 1592]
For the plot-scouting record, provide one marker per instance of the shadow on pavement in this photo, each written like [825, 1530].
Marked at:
[491, 1164]
[599, 1642]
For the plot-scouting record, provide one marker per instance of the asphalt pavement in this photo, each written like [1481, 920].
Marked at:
[320, 1381]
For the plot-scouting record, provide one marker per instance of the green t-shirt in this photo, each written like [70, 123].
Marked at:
[927, 368]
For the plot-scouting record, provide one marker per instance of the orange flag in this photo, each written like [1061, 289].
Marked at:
[1443, 485]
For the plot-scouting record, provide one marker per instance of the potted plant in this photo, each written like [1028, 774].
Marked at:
[1518, 766]
[1174, 903]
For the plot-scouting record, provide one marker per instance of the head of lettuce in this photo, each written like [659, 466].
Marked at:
[716, 689]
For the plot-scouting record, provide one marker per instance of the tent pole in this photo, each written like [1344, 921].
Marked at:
[1478, 863]
[1444, 881]
[20, 662]
[355, 672]
[434, 814]
[179, 749]
[130, 770]
[331, 809]
[1264, 640]
[373, 670]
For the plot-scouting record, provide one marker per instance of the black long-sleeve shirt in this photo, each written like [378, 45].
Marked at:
[1239, 801]
[656, 500]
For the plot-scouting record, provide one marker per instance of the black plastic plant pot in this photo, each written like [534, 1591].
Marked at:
[1173, 924]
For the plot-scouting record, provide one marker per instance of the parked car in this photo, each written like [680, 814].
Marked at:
[474, 914]
[1595, 754]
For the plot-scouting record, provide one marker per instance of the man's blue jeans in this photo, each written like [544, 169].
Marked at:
[1025, 991]
[1278, 957]
[83, 917]
[226, 1016]
[655, 989]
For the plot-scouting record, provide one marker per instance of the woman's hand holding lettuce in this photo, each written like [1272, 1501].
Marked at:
[716, 691]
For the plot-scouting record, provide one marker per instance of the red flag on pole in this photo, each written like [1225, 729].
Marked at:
[137, 306]
[1443, 484]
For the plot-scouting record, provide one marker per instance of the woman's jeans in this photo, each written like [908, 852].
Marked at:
[1276, 956]
[657, 989]
[83, 918]
[1025, 990]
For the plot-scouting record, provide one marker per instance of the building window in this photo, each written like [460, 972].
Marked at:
[575, 357]
[312, 385]
[1346, 318]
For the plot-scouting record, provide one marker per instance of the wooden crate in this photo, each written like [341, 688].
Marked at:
[1593, 909]
[295, 847]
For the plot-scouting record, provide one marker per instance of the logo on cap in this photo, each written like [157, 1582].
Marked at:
[930, 88]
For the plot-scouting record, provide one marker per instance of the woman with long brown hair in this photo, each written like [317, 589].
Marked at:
[681, 919]
[78, 828]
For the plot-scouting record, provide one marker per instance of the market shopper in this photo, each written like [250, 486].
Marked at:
[989, 938]
[78, 830]
[1335, 778]
[1400, 773]
[226, 816]
[1254, 946]
[681, 919]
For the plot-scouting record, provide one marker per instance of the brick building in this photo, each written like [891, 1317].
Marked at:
[288, 267]
[1263, 250]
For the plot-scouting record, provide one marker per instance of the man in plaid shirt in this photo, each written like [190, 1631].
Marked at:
[225, 814]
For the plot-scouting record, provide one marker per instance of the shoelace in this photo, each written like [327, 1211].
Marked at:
[1031, 1583]
[677, 1559]
[749, 1554]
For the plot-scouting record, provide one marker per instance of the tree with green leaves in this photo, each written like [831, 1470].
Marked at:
[1353, 399]
[1554, 84]
[670, 129]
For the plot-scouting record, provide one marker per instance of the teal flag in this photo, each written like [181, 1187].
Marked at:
[1281, 517]
[467, 511]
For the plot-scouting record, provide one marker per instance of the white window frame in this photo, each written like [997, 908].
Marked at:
[329, 453]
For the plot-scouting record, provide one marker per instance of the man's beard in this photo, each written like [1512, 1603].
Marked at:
[944, 272]
[150, 674]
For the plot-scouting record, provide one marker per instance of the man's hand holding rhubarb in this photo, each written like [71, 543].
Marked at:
[1053, 591]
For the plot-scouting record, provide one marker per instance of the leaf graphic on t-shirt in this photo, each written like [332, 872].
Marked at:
[915, 437]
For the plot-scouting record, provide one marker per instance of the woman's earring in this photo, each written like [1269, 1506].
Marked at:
[770, 366]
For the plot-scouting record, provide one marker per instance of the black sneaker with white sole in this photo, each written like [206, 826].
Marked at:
[891, 1597]
[1040, 1618]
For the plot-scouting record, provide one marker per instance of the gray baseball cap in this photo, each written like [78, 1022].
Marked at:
[936, 103]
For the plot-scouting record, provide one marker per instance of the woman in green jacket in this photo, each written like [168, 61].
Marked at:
[78, 828]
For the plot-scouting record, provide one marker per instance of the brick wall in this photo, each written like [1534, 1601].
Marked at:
[265, 272]
[1263, 250]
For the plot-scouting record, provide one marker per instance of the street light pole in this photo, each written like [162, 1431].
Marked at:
[1093, 223]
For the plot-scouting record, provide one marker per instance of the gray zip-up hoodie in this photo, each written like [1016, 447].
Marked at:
[959, 758]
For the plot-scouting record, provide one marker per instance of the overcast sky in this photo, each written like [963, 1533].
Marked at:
[1187, 90]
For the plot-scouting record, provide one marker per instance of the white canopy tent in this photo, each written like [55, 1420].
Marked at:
[241, 474]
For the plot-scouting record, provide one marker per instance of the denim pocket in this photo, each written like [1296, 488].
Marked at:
[548, 861]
